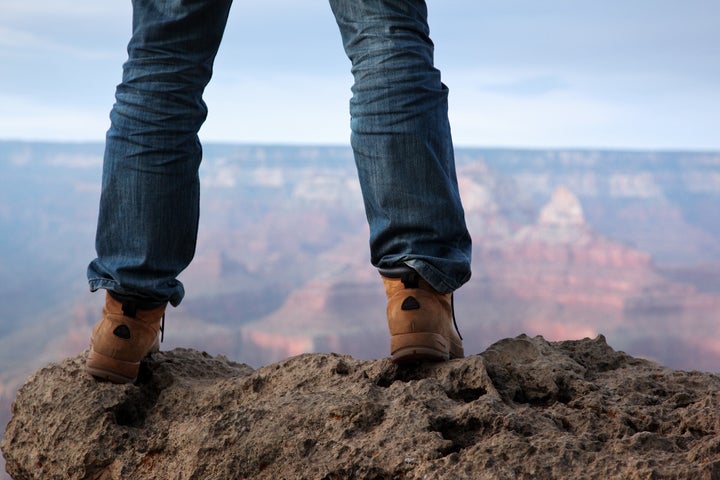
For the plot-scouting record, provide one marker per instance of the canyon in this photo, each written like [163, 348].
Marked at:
[567, 244]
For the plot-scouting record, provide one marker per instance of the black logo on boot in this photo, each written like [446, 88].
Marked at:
[122, 331]
[410, 303]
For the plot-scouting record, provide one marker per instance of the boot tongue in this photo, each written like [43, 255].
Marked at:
[129, 309]
[411, 279]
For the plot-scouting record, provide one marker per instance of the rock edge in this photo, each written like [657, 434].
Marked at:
[525, 408]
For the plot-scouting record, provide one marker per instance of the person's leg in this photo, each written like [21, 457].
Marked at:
[402, 143]
[149, 206]
[404, 155]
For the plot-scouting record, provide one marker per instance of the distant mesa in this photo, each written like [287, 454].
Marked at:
[563, 210]
[560, 221]
[476, 197]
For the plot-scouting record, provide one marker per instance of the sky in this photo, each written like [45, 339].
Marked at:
[611, 74]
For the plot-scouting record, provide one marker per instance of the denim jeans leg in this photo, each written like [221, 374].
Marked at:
[149, 205]
[402, 143]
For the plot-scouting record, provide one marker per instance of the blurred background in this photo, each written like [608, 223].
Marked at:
[587, 148]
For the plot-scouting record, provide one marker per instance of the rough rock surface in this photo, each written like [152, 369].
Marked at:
[525, 408]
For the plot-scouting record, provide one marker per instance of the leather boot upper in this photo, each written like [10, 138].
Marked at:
[123, 337]
[414, 307]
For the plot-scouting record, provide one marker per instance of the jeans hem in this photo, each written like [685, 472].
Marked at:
[114, 287]
[438, 280]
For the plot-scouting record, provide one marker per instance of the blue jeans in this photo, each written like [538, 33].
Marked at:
[149, 207]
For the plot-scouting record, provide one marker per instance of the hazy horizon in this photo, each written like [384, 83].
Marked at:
[300, 144]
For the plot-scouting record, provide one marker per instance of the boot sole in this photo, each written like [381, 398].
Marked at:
[108, 368]
[413, 347]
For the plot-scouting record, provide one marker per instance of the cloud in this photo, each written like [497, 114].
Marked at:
[526, 86]
[58, 8]
[26, 119]
[276, 108]
[638, 111]
[522, 73]
[21, 43]
[561, 32]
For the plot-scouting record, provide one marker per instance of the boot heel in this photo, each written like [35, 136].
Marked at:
[117, 371]
[408, 347]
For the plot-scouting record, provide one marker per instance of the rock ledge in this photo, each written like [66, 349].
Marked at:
[525, 408]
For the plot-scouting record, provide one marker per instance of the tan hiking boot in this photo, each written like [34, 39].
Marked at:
[121, 339]
[421, 321]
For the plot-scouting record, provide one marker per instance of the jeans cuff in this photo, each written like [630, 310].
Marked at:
[396, 271]
[136, 303]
